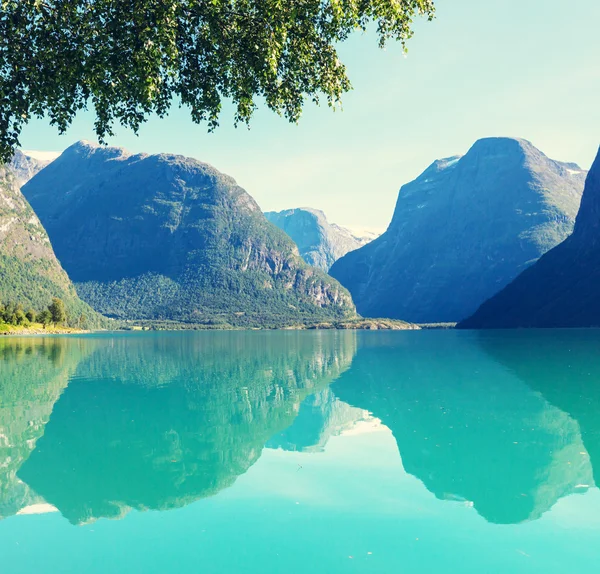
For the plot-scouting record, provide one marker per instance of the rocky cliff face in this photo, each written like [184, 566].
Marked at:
[462, 231]
[168, 237]
[561, 289]
[30, 274]
[25, 166]
[320, 243]
[587, 225]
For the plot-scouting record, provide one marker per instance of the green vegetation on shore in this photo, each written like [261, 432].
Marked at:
[358, 323]
[437, 325]
[14, 318]
[366, 324]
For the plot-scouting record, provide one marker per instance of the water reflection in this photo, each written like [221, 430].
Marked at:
[466, 426]
[96, 426]
[33, 373]
[562, 365]
[321, 416]
[157, 422]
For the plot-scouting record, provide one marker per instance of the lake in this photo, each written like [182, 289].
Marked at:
[320, 452]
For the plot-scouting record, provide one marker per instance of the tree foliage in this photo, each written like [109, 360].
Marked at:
[45, 318]
[217, 298]
[127, 60]
[12, 313]
[33, 283]
[57, 310]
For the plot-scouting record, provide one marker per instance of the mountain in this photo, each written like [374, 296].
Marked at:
[30, 274]
[26, 164]
[320, 243]
[561, 289]
[462, 231]
[165, 237]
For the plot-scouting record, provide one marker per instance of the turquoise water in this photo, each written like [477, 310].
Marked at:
[432, 451]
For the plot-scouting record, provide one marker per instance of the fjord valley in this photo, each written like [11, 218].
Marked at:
[169, 241]
[561, 289]
[164, 237]
[462, 231]
[319, 242]
[214, 359]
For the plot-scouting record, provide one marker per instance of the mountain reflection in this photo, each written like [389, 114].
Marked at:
[469, 428]
[562, 365]
[96, 426]
[33, 373]
[156, 422]
[321, 416]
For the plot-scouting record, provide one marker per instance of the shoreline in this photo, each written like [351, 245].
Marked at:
[363, 325]
[340, 325]
[16, 332]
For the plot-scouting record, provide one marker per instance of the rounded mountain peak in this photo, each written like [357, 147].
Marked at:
[298, 214]
[320, 215]
[502, 145]
[86, 148]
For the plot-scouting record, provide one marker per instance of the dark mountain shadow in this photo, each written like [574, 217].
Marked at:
[564, 366]
[158, 422]
[33, 374]
[466, 426]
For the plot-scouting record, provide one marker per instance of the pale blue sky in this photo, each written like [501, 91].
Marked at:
[526, 68]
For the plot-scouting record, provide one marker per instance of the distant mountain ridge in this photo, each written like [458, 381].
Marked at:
[169, 237]
[30, 274]
[320, 243]
[27, 164]
[462, 231]
[561, 289]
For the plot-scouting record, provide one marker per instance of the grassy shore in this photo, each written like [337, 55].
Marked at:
[38, 329]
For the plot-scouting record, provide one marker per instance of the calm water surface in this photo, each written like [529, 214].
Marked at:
[433, 451]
